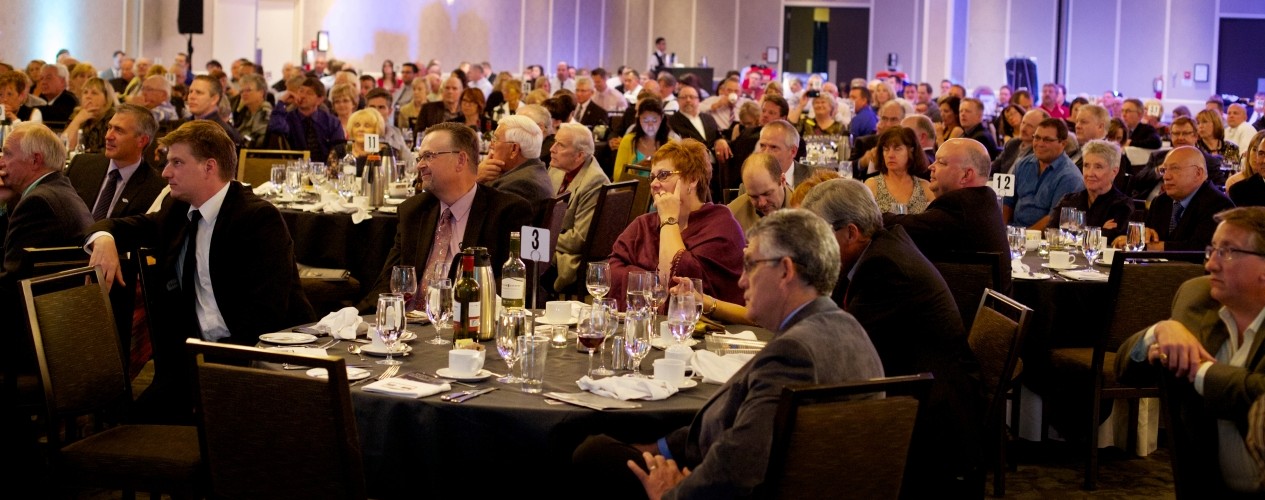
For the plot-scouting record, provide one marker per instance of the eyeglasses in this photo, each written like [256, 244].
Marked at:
[749, 265]
[663, 175]
[1175, 133]
[1227, 253]
[430, 156]
[1047, 140]
[1174, 169]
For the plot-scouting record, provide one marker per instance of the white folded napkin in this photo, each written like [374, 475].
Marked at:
[1017, 266]
[626, 388]
[341, 324]
[406, 387]
[358, 213]
[263, 189]
[300, 350]
[1084, 275]
[717, 369]
[743, 335]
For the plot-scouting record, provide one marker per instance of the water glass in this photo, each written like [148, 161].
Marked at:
[532, 350]
[1136, 240]
[390, 323]
[439, 307]
[318, 174]
[511, 325]
[1018, 241]
[681, 312]
[599, 279]
[278, 178]
[1092, 243]
[637, 337]
[293, 179]
[612, 324]
[637, 291]
[900, 209]
[347, 184]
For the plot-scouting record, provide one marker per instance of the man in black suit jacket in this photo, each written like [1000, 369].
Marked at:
[448, 168]
[226, 270]
[689, 123]
[1144, 184]
[587, 112]
[131, 131]
[964, 217]
[1140, 134]
[971, 115]
[1185, 184]
[911, 317]
[448, 108]
[205, 94]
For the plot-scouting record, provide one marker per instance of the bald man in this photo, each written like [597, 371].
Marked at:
[1181, 218]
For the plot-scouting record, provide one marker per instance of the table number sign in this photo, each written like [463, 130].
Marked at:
[535, 244]
[371, 143]
[1003, 184]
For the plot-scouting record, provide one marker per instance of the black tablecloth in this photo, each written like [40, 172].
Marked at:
[333, 241]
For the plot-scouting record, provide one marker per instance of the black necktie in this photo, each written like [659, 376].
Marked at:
[102, 208]
[310, 137]
[1177, 217]
[189, 271]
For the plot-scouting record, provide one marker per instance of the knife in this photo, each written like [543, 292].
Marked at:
[472, 395]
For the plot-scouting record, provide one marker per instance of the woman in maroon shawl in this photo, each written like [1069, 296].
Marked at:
[687, 235]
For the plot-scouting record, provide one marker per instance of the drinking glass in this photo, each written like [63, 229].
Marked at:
[346, 185]
[293, 179]
[318, 174]
[612, 323]
[900, 209]
[404, 282]
[681, 312]
[599, 279]
[1136, 241]
[696, 286]
[278, 178]
[1092, 244]
[512, 324]
[591, 330]
[390, 323]
[637, 337]
[1018, 241]
[636, 291]
[657, 292]
[439, 307]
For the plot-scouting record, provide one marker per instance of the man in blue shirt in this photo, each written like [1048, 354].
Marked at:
[307, 125]
[1043, 178]
[864, 122]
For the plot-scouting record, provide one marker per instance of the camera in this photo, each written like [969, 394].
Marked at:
[812, 93]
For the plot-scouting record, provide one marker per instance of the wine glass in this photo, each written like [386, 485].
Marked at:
[635, 291]
[1136, 240]
[390, 323]
[404, 282]
[1092, 244]
[637, 337]
[318, 174]
[599, 279]
[293, 180]
[591, 330]
[346, 185]
[657, 292]
[512, 324]
[1018, 241]
[681, 312]
[278, 178]
[439, 307]
[612, 308]
[695, 285]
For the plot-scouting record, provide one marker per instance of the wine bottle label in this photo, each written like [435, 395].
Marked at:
[475, 308]
[512, 288]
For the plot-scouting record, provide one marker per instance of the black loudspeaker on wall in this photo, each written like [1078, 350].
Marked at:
[1021, 72]
[189, 18]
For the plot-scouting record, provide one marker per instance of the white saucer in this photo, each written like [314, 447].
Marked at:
[688, 384]
[394, 201]
[287, 338]
[1048, 265]
[446, 373]
[376, 350]
[665, 342]
[1031, 277]
[353, 373]
[545, 320]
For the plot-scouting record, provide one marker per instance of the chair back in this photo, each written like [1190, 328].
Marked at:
[266, 433]
[553, 214]
[968, 275]
[641, 174]
[76, 346]
[610, 217]
[254, 166]
[996, 337]
[844, 438]
[1142, 286]
[49, 260]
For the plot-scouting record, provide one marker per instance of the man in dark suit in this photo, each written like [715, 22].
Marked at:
[1138, 133]
[690, 123]
[587, 112]
[1219, 369]
[780, 139]
[964, 217]
[1181, 219]
[791, 263]
[926, 131]
[514, 165]
[119, 183]
[226, 269]
[448, 108]
[971, 116]
[909, 314]
[203, 99]
[52, 86]
[455, 209]
[1145, 183]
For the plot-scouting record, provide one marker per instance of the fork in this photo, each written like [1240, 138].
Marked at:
[390, 372]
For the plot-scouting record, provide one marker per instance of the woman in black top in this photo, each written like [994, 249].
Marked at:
[1247, 188]
[1103, 204]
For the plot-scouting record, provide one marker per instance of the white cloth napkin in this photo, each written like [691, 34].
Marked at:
[626, 388]
[717, 369]
[406, 387]
[263, 189]
[358, 213]
[300, 350]
[341, 324]
[743, 335]
[1085, 275]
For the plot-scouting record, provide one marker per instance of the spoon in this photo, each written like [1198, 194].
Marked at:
[355, 349]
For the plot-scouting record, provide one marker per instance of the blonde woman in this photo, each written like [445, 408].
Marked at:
[344, 100]
[92, 117]
[1247, 188]
[1212, 138]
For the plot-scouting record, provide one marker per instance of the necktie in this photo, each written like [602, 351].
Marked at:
[579, 113]
[1177, 217]
[102, 208]
[310, 137]
[441, 247]
[189, 271]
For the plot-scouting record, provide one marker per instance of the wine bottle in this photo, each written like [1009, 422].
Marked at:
[513, 277]
[466, 307]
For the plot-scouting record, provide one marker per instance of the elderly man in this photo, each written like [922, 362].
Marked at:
[52, 85]
[780, 139]
[307, 125]
[156, 96]
[1021, 145]
[1137, 133]
[926, 131]
[791, 263]
[574, 170]
[864, 153]
[971, 117]
[909, 314]
[724, 105]
[1043, 178]
[1238, 130]
[141, 67]
[454, 210]
[205, 94]
[513, 164]
[603, 94]
[253, 110]
[588, 112]
[864, 122]
[448, 108]
[691, 123]
[766, 190]
[1210, 345]
[1145, 183]
[200, 234]
[1182, 218]
[119, 183]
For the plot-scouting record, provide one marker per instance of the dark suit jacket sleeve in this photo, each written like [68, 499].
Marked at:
[409, 219]
[259, 291]
[1209, 201]
[1146, 137]
[923, 228]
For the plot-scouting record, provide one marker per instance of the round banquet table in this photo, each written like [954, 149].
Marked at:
[333, 241]
[416, 447]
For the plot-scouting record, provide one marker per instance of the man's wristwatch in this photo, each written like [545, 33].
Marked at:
[670, 221]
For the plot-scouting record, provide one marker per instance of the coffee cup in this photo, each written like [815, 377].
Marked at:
[1032, 239]
[558, 311]
[1108, 255]
[398, 189]
[465, 362]
[1059, 258]
[671, 371]
[679, 352]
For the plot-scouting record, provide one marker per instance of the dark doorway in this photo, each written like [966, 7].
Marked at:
[1241, 72]
[814, 37]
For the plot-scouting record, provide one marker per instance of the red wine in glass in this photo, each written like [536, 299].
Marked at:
[591, 341]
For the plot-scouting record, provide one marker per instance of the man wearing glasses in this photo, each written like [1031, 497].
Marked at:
[1182, 219]
[1210, 344]
[1043, 178]
[1146, 183]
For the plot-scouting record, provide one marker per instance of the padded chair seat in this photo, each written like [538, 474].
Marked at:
[168, 452]
[1079, 359]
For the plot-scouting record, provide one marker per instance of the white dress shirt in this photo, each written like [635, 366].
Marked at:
[206, 308]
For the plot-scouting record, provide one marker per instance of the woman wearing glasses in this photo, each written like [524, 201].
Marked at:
[647, 136]
[1247, 188]
[687, 235]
